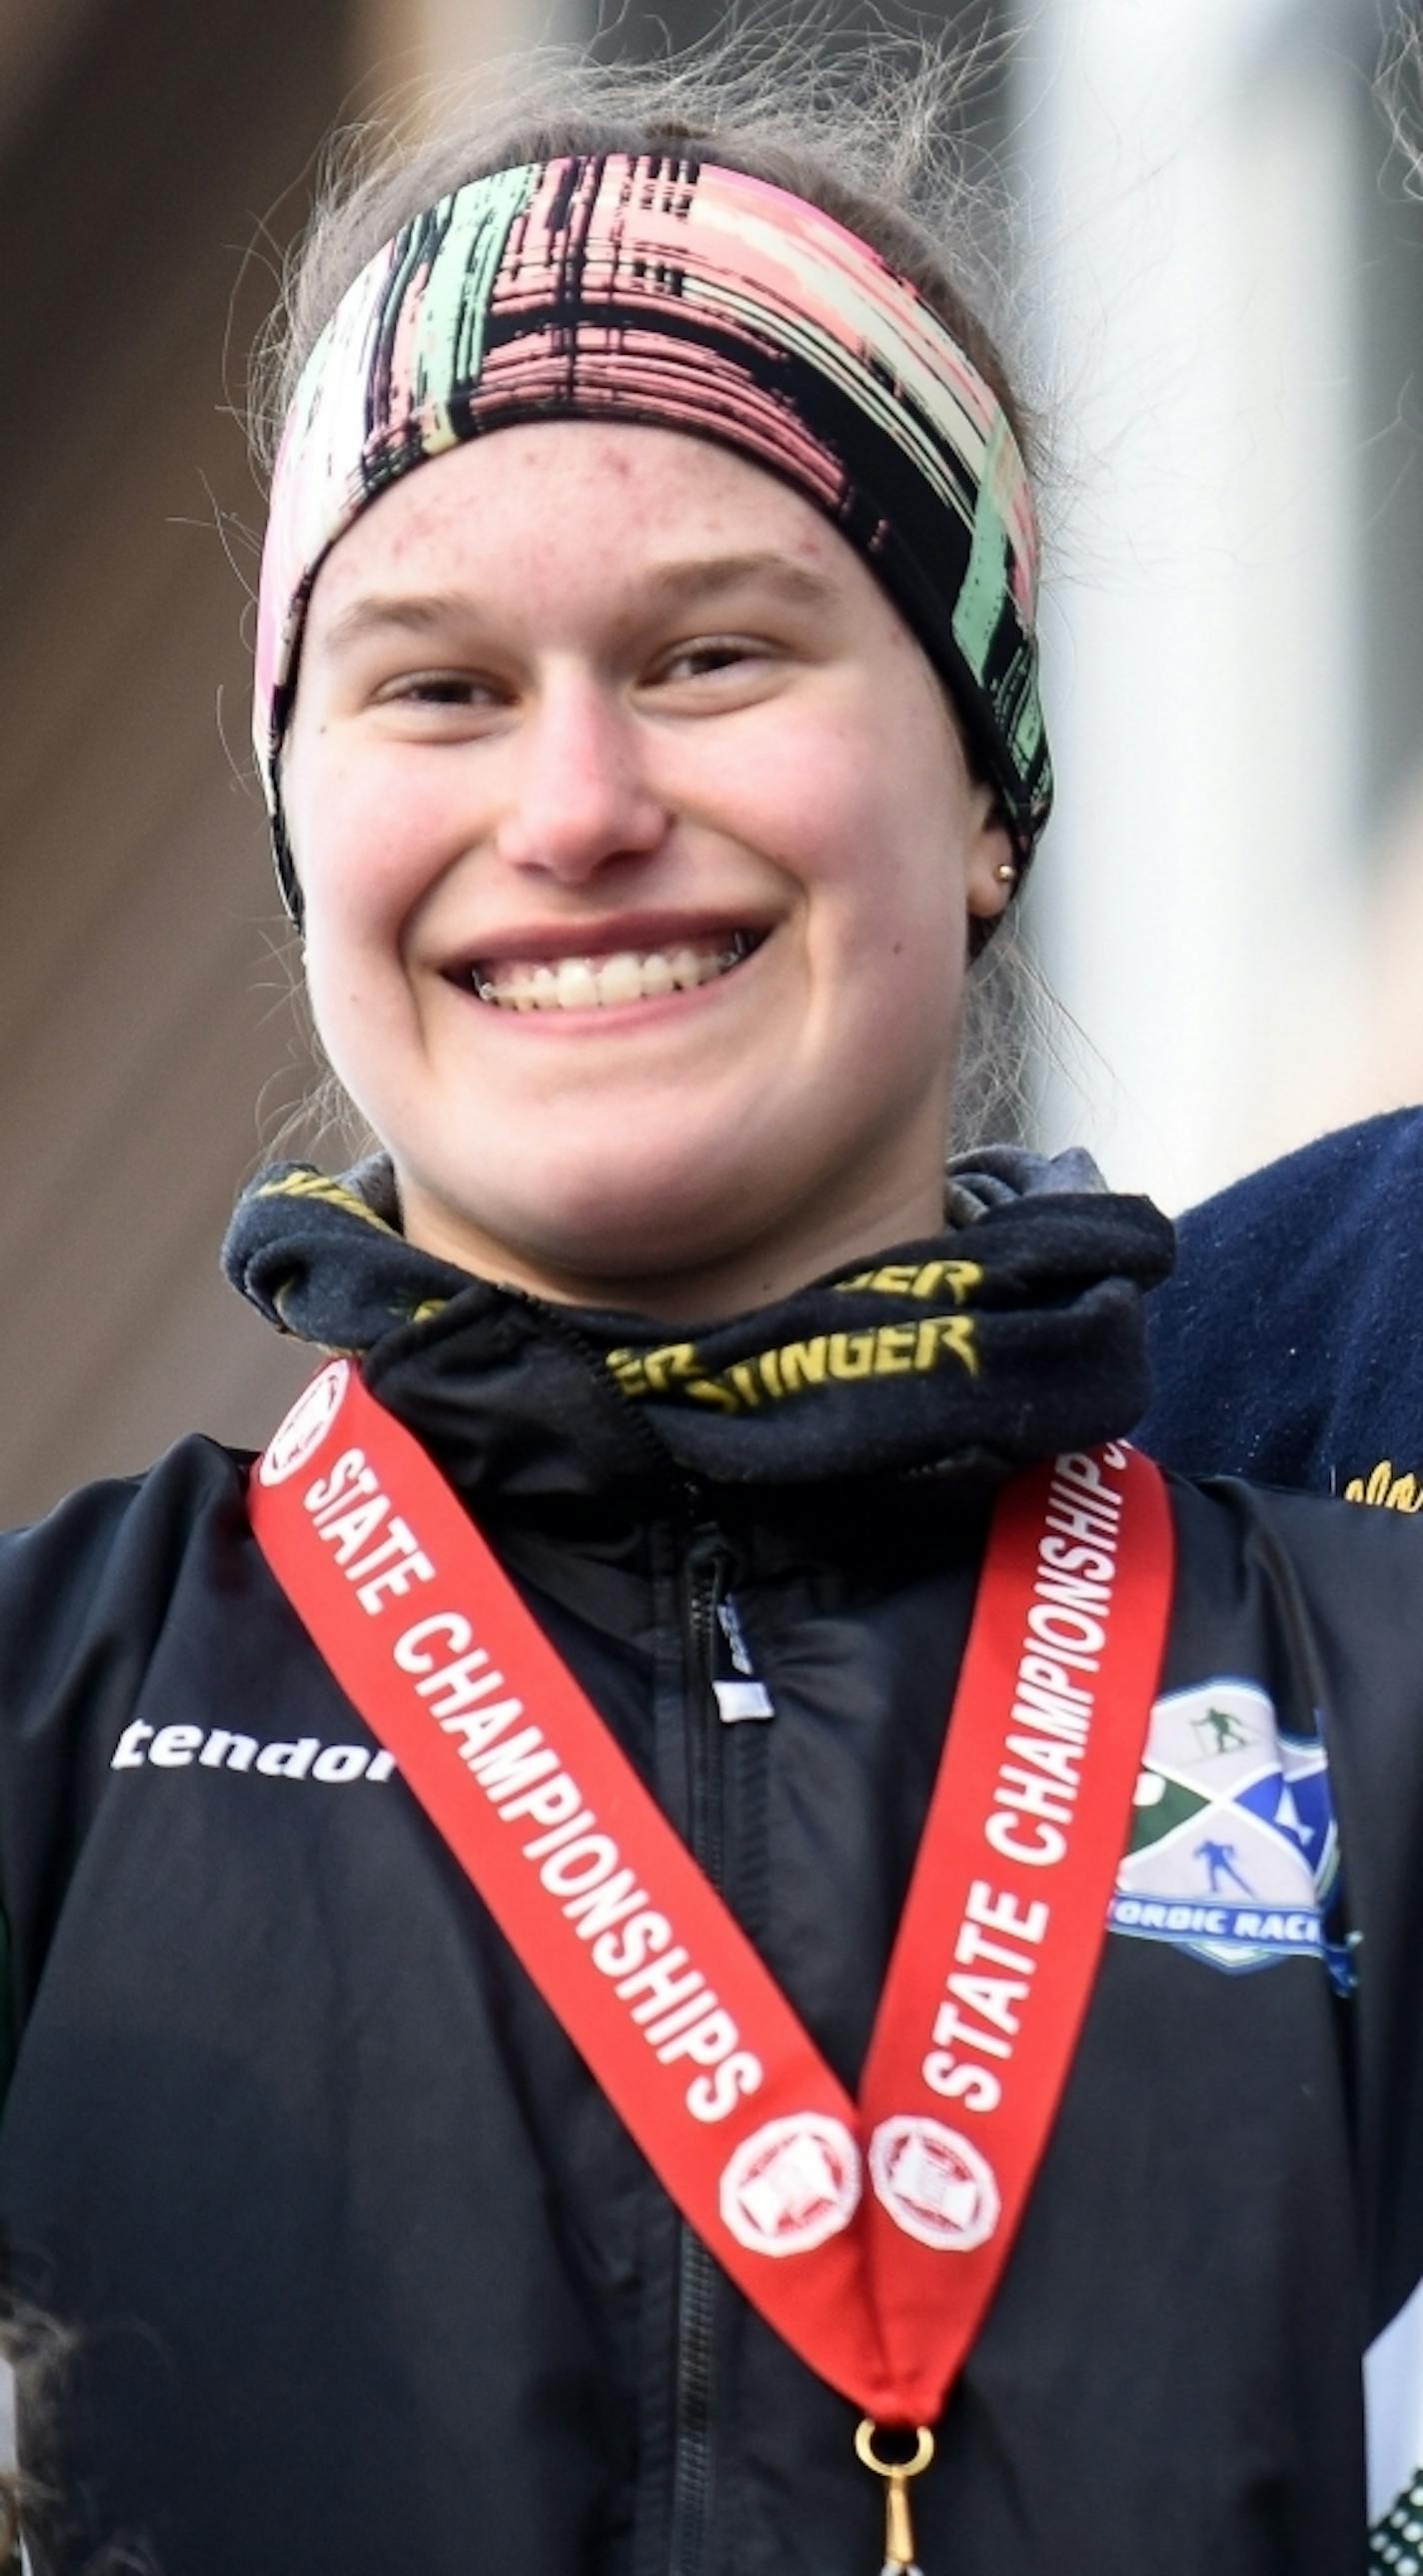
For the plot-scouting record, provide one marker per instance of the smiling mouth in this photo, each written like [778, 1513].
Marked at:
[609, 983]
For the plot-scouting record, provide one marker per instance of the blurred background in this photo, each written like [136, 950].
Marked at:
[1221, 272]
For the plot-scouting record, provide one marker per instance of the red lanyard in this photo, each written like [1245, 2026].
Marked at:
[871, 2236]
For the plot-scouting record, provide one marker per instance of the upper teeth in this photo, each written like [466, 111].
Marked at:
[591, 983]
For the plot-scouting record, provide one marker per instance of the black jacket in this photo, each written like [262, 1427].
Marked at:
[366, 2275]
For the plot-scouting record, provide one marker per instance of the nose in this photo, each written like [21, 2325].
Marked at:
[580, 797]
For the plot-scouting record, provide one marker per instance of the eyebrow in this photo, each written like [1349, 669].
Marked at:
[671, 586]
[409, 612]
[707, 577]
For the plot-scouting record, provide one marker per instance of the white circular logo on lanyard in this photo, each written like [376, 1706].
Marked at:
[936, 2185]
[306, 1426]
[791, 2184]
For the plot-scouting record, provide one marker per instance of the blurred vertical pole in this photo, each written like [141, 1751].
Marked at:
[1186, 166]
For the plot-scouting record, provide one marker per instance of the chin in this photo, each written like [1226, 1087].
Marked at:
[635, 1247]
[601, 1228]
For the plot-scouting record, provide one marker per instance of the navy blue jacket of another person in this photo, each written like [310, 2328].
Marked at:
[1288, 1344]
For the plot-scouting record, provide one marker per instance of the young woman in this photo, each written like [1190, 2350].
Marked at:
[541, 2042]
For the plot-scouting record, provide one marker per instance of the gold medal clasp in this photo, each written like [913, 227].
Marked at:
[899, 2557]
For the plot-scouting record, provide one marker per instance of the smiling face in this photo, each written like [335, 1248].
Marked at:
[637, 848]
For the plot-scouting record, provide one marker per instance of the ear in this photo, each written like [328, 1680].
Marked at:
[990, 861]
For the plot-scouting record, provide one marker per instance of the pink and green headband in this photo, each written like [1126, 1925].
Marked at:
[687, 296]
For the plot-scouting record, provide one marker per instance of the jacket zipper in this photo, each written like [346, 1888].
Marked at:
[706, 1572]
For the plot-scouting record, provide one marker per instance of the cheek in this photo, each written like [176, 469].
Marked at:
[888, 922]
[803, 794]
[354, 908]
[880, 867]
[357, 841]
[867, 789]
[362, 1013]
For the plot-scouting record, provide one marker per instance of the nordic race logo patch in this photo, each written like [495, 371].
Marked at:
[1234, 1851]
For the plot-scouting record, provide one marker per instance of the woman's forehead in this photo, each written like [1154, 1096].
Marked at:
[599, 502]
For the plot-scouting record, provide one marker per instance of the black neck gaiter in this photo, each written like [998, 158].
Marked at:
[1014, 1335]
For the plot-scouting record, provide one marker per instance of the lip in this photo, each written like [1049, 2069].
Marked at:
[537, 942]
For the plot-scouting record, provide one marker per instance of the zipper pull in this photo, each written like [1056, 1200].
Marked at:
[736, 1686]
[726, 1661]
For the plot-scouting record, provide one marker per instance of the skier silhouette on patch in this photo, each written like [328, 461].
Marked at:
[1220, 1861]
[1230, 1736]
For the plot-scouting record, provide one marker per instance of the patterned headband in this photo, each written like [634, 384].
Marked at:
[689, 297]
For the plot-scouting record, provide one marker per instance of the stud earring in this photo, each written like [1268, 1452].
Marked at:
[1007, 872]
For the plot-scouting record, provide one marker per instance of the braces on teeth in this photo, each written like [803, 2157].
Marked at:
[583, 983]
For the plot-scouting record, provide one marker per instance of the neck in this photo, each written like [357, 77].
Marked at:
[733, 1279]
